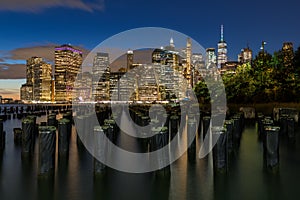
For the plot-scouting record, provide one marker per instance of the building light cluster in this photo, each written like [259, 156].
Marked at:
[166, 78]
[40, 85]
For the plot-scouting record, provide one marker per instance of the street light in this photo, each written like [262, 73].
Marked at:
[263, 43]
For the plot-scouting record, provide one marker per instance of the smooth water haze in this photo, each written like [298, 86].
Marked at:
[74, 179]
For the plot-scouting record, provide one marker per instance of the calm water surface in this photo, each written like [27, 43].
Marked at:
[74, 179]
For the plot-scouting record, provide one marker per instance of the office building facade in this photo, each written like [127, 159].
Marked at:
[38, 81]
[100, 77]
[68, 61]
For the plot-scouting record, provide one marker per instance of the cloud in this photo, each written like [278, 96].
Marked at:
[40, 5]
[12, 71]
[10, 67]
[45, 51]
[10, 93]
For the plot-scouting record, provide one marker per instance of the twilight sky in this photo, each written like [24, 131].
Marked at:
[34, 27]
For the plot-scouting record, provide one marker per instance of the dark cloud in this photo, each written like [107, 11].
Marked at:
[12, 71]
[44, 51]
[17, 71]
[40, 5]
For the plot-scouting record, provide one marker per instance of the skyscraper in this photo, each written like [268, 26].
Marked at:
[101, 71]
[129, 60]
[83, 87]
[38, 80]
[245, 56]
[68, 62]
[188, 61]
[210, 57]
[222, 49]
[42, 82]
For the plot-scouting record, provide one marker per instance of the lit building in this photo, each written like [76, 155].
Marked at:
[52, 89]
[129, 60]
[101, 71]
[245, 56]
[42, 82]
[26, 92]
[166, 57]
[171, 46]
[164, 79]
[68, 62]
[222, 49]
[210, 57]
[198, 67]
[119, 88]
[197, 61]
[147, 84]
[188, 74]
[83, 90]
[229, 66]
[288, 54]
[38, 81]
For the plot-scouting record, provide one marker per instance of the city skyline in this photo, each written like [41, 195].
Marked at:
[98, 83]
[211, 56]
[38, 27]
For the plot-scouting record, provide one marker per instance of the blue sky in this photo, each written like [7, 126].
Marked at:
[43, 23]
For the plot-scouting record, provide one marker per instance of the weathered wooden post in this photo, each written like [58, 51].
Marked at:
[271, 148]
[47, 145]
[220, 153]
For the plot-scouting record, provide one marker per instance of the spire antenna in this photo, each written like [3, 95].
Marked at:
[172, 42]
[222, 33]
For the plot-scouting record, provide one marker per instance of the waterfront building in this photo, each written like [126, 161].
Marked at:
[42, 82]
[82, 88]
[26, 92]
[68, 62]
[38, 81]
[100, 79]
[115, 87]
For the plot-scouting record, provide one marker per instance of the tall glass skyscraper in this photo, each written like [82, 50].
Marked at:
[210, 57]
[68, 62]
[38, 80]
[222, 49]
[100, 80]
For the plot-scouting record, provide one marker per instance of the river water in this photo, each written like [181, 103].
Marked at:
[74, 180]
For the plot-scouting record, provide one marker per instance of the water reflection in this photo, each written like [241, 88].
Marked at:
[74, 179]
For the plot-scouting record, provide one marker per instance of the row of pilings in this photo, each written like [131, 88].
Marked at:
[99, 124]
[177, 124]
[272, 130]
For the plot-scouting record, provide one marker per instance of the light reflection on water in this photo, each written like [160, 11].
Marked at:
[74, 179]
